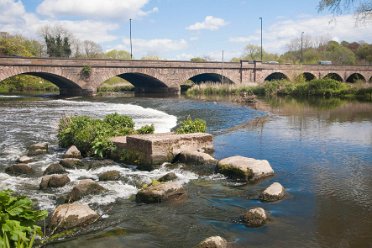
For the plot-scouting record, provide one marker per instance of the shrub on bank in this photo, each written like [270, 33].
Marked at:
[18, 220]
[92, 136]
[192, 126]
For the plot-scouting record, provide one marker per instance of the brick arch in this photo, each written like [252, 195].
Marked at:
[335, 76]
[353, 77]
[308, 76]
[211, 77]
[145, 81]
[213, 74]
[66, 85]
[277, 75]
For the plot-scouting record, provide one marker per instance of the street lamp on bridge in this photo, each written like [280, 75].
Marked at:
[302, 44]
[261, 37]
[130, 38]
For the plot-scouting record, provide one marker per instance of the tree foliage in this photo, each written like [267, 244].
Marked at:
[17, 45]
[360, 7]
[117, 54]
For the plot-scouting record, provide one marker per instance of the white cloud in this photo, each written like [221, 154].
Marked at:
[209, 23]
[113, 9]
[156, 46]
[277, 36]
[16, 20]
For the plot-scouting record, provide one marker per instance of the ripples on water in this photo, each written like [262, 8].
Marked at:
[322, 155]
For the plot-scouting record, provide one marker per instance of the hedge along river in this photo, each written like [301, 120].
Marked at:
[321, 151]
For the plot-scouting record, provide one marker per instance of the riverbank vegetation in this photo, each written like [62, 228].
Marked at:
[92, 136]
[18, 220]
[301, 88]
[23, 83]
[115, 84]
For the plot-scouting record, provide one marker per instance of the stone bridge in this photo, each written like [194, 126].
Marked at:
[166, 76]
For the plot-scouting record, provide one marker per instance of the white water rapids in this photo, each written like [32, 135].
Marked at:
[25, 122]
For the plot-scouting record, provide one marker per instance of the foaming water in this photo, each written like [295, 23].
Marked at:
[25, 122]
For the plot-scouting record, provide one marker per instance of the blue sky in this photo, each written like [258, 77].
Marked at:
[182, 29]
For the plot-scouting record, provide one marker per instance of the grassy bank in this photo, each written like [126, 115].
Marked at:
[26, 83]
[115, 84]
[317, 87]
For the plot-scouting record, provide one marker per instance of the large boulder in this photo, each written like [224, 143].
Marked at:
[195, 157]
[255, 217]
[19, 169]
[213, 242]
[54, 181]
[55, 169]
[161, 192]
[72, 152]
[68, 216]
[37, 149]
[84, 188]
[24, 160]
[71, 163]
[168, 177]
[112, 175]
[243, 168]
[274, 192]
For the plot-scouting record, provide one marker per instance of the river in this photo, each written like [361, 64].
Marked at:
[321, 151]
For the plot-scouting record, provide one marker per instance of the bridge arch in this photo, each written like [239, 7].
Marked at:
[334, 76]
[210, 77]
[370, 80]
[144, 83]
[308, 76]
[355, 77]
[276, 76]
[66, 86]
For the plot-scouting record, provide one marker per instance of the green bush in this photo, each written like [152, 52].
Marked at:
[18, 220]
[192, 126]
[147, 129]
[322, 87]
[92, 136]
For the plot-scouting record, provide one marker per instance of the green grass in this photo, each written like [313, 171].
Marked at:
[318, 87]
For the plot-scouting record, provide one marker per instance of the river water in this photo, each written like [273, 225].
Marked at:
[321, 151]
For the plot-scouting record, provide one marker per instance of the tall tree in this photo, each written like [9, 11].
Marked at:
[360, 7]
[92, 49]
[57, 41]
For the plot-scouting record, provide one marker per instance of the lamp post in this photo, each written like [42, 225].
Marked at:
[261, 37]
[302, 44]
[130, 38]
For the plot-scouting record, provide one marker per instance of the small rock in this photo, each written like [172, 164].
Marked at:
[72, 215]
[160, 192]
[168, 177]
[55, 169]
[37, 149]
[213, 242]
[85, 187]
[54, 181]
[255, 217]
[72, 152]
[195, 157]
[246, 169]
[71, 163]
[274, 192]
[95, 164]
[24, 160]
[19, 169]
[109, 176]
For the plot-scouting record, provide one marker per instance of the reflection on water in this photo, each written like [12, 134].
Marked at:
[320, 149]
